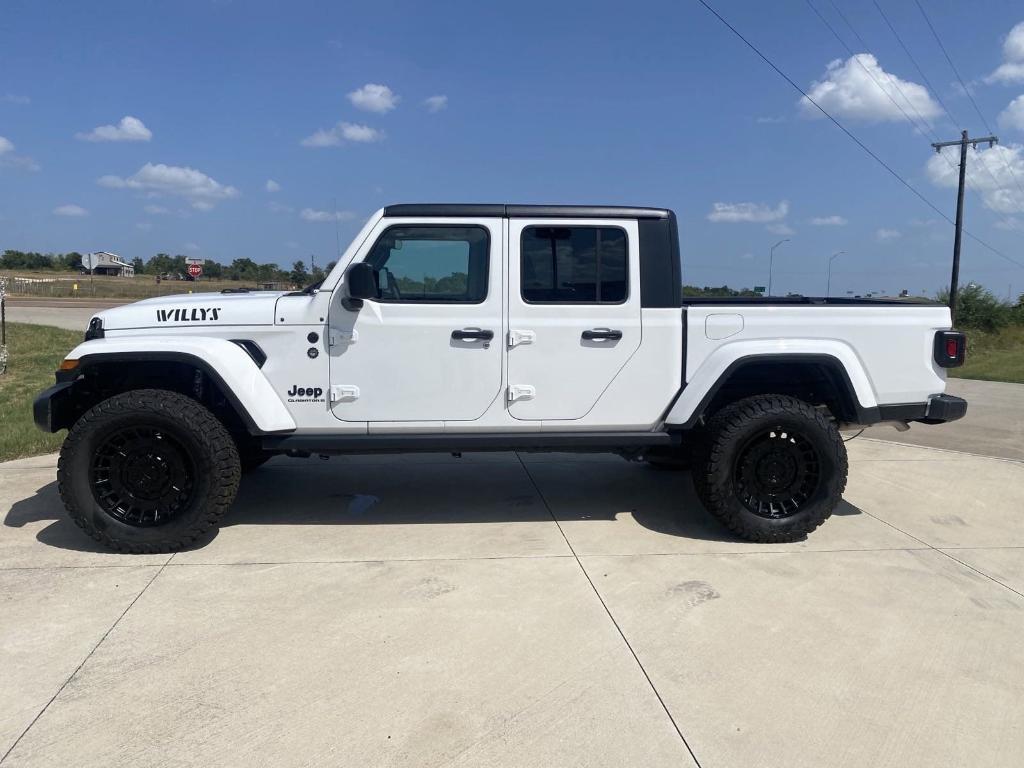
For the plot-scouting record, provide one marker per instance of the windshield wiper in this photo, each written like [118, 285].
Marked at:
[309, 290]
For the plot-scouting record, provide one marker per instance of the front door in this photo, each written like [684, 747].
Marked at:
[429, 346]
[573, 313]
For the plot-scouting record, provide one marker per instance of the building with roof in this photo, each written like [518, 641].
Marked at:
[106, 263]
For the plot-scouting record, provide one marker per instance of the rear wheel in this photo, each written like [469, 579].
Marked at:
[148, 471]
[774, 468]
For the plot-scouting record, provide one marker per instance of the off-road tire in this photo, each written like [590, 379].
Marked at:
[199, 435]
[730, 432]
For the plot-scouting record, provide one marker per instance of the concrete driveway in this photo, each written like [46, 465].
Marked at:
[538, 611]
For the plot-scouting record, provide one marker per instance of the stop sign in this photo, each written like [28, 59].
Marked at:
[195, 270]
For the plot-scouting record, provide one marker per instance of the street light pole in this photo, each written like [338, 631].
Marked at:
[828, 285]
[771, 262]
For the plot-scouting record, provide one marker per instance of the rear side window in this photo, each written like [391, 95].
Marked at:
[574, 265]
[432, 264]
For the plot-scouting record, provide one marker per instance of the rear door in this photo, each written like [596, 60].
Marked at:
[429, 347]
[573, 313]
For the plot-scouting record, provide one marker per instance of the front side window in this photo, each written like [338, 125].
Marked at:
[574, 265]
[432, 264]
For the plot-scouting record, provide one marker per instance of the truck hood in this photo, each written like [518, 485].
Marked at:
[194, 309]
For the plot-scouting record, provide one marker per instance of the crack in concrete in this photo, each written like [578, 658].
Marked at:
[82, 664]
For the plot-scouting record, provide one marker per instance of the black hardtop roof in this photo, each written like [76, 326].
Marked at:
[506, 210]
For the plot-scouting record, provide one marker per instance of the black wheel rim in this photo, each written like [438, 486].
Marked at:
[777, 472]
[142, 476]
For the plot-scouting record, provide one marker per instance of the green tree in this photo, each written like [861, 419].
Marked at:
[976, 307]
[299, 275]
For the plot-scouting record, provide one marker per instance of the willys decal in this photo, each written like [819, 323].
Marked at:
[188, 315]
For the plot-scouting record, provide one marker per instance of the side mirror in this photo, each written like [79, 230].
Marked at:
[361, 281]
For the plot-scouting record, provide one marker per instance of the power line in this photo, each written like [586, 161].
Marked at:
[849, 134]
[970, 96]
[970, 180]
[917, 66]
[927, 127]
[894, 82]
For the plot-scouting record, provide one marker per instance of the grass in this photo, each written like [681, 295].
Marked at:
[995, 356]
[34, 353]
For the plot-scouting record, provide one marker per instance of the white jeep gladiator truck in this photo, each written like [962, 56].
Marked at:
[489, 328]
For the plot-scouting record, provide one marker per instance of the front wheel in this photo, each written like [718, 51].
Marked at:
[773, 469]
[148, 471]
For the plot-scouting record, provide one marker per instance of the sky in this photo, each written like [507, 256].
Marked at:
[225, 129]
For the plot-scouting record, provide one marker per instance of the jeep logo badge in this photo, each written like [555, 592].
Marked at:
[299, 394]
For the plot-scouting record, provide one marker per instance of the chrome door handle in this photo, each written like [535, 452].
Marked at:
[601, 334]
[472, 334]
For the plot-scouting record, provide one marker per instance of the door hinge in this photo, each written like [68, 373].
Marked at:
[521, 392]
[341, 392]
[521, 337]
[342, 337]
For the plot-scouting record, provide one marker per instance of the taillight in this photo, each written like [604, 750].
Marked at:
[950, 348]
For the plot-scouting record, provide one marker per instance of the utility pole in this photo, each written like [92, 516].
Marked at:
[828, 285]
[771, 262]
[963, 142]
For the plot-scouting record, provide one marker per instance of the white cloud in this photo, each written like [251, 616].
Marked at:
[374, 98]
[1012, 118]
[191, 247]
[888, 234]
[272, 186]
[781, 229]
[70, 210]
[156, 210]
[159, 179]
[860, 89]
[757, 213]
[341, 133]
[1012, 68]
[129, 129]
[275, 207]
[10, 160]
[829, 221]
[436, 103]
[13, 98]
[997, 174]
[308, 214]
[1010, 224]
[145, 226]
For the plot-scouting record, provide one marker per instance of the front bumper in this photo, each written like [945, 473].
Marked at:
[53, 408]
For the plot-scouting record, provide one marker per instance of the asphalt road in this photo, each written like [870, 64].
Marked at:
[73, 314]
[546, 610]
[993, 426]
